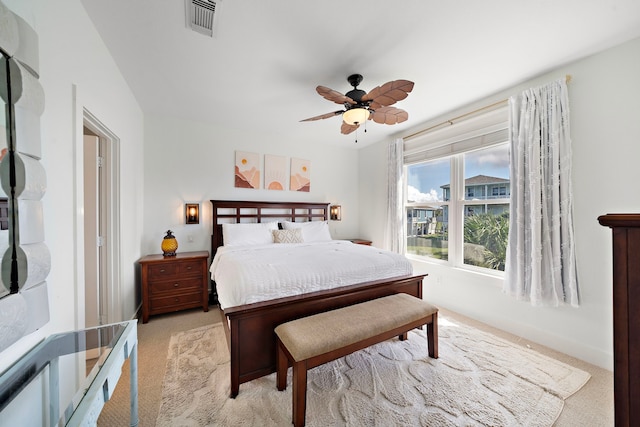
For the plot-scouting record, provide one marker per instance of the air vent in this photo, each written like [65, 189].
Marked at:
[201, 16]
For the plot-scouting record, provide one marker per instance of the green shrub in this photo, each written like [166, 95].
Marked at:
[492, 232]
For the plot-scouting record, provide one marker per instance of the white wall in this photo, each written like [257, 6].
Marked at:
[187, 161]
[605, 129]
[76, 72]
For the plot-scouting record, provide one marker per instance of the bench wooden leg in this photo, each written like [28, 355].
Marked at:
[282, 364]
[432, 336]
[299, 393]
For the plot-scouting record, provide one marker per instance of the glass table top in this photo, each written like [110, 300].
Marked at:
[72, 359]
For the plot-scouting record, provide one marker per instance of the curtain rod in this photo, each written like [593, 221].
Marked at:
[450, 121]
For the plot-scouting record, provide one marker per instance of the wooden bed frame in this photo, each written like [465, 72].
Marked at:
[252, 341]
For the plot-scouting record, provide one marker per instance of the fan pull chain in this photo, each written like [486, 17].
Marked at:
[365, 131]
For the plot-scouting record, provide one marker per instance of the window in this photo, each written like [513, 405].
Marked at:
[428, 196]
[499, 191]
[457, 191]
[486, 218]
[462, 198]
[458, 208]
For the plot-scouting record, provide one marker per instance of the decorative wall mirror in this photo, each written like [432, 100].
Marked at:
[25, 259]
[5, 288]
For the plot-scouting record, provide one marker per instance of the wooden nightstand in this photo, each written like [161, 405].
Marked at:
[360, 241]
[174, 283]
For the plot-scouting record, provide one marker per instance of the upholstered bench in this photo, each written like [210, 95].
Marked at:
[312, 341]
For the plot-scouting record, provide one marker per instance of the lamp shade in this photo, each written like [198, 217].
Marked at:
[355, 116]
[192, 213]
[335, 212]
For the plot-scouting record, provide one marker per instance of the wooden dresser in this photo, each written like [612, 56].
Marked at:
[626, 316]
[174, 283]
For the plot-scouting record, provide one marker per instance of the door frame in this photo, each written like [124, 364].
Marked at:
[112, 267]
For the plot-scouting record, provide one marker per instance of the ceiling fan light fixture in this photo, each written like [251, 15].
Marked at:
[355, 116]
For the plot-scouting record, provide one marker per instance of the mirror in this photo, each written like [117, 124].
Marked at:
[5, 288]
[25, 260]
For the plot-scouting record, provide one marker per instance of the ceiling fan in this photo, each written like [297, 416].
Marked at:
[360, 106]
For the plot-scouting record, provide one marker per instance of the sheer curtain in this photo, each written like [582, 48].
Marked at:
[541, 264]
[394, 236]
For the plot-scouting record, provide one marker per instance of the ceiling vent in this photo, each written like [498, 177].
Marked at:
[201, 15]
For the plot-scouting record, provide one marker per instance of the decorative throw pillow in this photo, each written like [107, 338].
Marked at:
[288, 236]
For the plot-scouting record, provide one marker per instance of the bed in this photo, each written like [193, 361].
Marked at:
[250, 325]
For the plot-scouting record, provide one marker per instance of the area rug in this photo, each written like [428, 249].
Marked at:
[478, 380]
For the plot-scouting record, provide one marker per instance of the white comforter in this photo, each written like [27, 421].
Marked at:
[248, 274]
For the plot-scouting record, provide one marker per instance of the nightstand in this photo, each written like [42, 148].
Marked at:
[174, 283]
[360, 241]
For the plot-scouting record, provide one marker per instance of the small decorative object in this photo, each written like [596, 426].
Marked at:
[192, 213]
[335, 212]
[169, 244]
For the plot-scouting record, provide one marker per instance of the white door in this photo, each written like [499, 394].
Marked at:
[95, 296]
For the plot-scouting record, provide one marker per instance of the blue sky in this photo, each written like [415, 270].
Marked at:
[424, 180]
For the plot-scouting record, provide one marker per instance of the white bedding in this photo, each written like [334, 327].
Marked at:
[249, 274]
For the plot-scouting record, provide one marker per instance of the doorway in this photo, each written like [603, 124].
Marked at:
[101, 224]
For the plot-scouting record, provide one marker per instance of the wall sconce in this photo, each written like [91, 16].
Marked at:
[192, 213]
[335, 212]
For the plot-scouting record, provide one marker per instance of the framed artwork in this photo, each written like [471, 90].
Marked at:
[300, 179]
[275, 172]
[247, 170]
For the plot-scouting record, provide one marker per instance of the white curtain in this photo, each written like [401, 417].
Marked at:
[394, 236]
[541, 263]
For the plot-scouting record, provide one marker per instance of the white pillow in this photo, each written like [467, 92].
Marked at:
[288, 236]
[312, 231]
[242, 234]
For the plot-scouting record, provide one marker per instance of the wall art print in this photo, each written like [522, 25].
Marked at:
[300, 175]
[247, 171]
[275, 172]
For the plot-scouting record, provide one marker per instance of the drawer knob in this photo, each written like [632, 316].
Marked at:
[162, 270]
[175, 285]
[189, 268]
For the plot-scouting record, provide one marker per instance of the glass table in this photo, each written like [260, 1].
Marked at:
[72, 374]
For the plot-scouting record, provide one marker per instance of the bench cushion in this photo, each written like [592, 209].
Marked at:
[324, 332]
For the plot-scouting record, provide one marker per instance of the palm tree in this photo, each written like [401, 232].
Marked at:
[491, 232]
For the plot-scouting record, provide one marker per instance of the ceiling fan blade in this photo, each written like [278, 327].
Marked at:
[323, 116]
[346, 129]
[389, 93]
[389, 115]
[334, 95]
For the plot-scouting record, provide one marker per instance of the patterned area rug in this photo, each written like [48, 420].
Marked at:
[479, 380]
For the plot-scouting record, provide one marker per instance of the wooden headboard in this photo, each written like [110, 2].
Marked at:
[234, 211]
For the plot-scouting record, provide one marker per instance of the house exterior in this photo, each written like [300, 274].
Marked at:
[483, 187]
[434, 219]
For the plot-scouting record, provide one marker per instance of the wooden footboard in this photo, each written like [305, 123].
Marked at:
[252, 337]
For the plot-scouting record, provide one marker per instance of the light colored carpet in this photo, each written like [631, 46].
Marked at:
[479, 379]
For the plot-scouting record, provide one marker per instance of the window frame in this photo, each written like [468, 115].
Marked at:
[457, 204]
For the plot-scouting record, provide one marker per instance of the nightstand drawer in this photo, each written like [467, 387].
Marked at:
[181, 285]
[176, 302]
[163, 271]
[190, 268]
